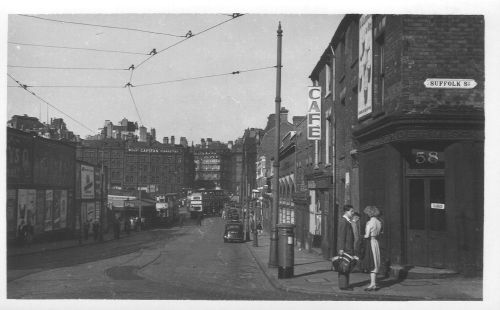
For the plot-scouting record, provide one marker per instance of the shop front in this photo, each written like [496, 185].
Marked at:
[428, 183]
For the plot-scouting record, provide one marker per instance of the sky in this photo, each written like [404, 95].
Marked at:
[218, 107]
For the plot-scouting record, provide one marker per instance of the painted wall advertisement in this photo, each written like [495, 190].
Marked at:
[365, 66]
[314, 113]
[87, 182]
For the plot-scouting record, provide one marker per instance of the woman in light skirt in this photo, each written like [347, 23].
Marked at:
[371, 260]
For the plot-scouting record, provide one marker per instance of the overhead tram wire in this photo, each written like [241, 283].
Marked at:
[102, 26]
[188, 36]
[65, 68]
[149, 84]
[133, 100]
[204, 76]
[25, 87]
[78, 48]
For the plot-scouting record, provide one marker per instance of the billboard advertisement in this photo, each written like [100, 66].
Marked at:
[63, 208]
[48, 209]
[87, 182]
[314, 113]
[56, 209]
[365, 66]
[40, 211]
[26, 207]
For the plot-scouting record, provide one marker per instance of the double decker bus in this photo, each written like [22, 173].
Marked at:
[195, 204]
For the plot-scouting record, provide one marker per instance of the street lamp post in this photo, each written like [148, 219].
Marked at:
[273, 249]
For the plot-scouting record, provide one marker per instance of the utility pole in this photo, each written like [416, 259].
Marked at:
[273, 249]
[101, 198]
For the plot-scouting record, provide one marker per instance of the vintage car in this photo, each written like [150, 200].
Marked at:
[233, 231]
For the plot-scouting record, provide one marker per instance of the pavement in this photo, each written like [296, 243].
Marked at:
[313, 274]
[37, 247]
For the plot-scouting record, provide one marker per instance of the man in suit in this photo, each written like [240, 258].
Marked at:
[346, 243]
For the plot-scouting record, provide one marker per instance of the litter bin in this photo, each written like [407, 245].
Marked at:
[285, 250]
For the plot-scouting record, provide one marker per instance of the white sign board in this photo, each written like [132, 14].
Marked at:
[87, 182]
[450, 83]
[365, 66]
[314, 113]
[439, 206]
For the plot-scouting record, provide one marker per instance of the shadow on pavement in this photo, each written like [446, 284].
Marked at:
[311, 273]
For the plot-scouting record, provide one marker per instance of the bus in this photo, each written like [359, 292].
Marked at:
[195, 204]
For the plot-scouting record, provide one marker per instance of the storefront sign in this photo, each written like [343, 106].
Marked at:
[365, 66]
[450, 83]
[87, 182]
[314, 113]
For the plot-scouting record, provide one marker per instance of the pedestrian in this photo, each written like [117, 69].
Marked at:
[95, 229]
[356, 229]
[371, 259]
[345, 244]
[181, 219]
[86, 227]
[127, 226]
[200, 217]
[259, 228]
[21, 232]
[116, 228]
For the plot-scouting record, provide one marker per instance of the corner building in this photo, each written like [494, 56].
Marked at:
[417, 151]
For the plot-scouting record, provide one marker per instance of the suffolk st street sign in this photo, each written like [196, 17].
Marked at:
[314, 113]
[450, 83]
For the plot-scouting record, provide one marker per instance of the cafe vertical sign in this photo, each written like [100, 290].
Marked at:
[365, 66]
[314, 113]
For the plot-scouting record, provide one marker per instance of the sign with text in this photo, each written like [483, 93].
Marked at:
[314, 113]
[365, 66]
[87, 182]
[450, 83]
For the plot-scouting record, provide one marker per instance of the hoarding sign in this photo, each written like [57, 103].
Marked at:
[26, 207]
[48, 210]
[40, 211]
[314, 113]
[63, 208]
[87, 182]
[365, 66]
[56, 209]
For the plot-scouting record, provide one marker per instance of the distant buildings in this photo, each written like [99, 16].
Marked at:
[56, 130]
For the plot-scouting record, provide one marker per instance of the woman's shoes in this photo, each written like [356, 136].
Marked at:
[372, 288]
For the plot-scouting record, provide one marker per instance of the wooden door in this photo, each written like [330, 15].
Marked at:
[426, 223]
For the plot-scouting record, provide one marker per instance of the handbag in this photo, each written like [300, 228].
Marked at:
[343, 263]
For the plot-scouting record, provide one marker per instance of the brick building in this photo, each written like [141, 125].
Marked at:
[159, 168]
[413, 149]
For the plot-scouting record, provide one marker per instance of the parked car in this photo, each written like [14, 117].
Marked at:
[233, 231]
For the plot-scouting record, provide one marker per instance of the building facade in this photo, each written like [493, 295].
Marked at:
[408, 133]
[154, 167]
[40, 187]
